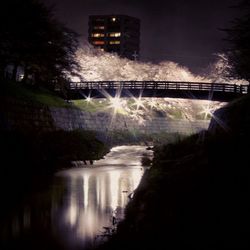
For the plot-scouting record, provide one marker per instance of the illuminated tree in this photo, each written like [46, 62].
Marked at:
[97, 65]
[32, 38]
[239, 38]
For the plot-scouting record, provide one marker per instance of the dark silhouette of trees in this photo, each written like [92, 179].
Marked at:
[31, 38]
[239, 38]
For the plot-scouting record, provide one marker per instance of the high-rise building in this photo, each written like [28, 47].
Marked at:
[116, 33]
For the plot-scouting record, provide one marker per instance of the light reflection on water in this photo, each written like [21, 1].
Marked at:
[95, 194]
[77, 206]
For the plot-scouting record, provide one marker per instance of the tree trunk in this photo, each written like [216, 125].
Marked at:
[14, 72]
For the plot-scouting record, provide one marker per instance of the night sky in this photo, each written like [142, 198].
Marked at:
[184, 31]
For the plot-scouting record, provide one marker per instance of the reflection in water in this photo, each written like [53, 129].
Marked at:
[80, 203]
[93, 197]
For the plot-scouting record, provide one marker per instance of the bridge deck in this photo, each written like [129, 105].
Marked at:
[189, 90]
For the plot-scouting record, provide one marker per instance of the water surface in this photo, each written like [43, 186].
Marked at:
[81, 205]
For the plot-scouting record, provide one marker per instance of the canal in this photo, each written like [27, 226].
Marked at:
[80, 207]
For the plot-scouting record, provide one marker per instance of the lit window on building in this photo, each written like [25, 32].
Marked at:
[97, 35]
[115, 34]
[114, 42]
[113, 19]
[98, 42]
[99, 27]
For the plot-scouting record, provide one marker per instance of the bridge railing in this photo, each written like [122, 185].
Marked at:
[164, 85]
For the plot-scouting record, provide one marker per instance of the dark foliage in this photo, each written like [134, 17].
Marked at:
[239, 39]
[31, 38]
[27, 156]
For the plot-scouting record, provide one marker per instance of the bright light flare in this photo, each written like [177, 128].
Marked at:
[118, 104]
[115, 103]
[152, 104]
[207, 110]
[88, 99]
[138, 102]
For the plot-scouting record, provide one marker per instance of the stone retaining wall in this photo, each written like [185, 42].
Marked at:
[102, 122]
[17, 114]
[22, 115]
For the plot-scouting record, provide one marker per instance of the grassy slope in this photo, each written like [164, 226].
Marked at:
[196, 194]
[50, 146]
[159, 110]
[25, 93]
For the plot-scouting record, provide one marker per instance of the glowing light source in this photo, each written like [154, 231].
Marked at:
[88, 99]
[99, 27]
[115, 34]
[97, 35]
[115, 103]
[113, 19]
[138, 103]
[152, 104]
[114, 42]
[207, 111]
[20, 77]
[98, 42]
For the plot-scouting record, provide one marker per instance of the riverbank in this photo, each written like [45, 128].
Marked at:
[30, 158]
[196, 193]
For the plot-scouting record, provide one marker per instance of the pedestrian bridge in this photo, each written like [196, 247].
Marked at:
[173, 89]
